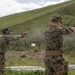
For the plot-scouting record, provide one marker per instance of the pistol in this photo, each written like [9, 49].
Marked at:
[23, 34]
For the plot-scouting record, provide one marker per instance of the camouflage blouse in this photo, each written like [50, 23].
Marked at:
[4, 41]
[53, 37]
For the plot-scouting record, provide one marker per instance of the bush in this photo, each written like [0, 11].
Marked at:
[9, 72]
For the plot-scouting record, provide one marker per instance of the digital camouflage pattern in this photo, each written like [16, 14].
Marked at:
[55, 65]
[4, 42]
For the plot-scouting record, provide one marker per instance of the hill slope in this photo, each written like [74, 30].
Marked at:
[30, 15]
[36, 21]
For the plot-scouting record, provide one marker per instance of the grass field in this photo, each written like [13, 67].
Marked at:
[30, 58]
[8, 72]
[30, 15]
[24, 58]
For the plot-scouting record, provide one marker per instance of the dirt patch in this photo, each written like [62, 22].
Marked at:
[25, 54]
[24, 58]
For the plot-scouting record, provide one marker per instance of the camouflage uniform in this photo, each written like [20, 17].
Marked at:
[4, 42]
[55, 64]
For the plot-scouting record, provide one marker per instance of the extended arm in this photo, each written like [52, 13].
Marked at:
[13, 37]
[67, 30]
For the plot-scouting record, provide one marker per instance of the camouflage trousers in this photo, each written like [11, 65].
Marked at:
[2, 64]
[56, 65]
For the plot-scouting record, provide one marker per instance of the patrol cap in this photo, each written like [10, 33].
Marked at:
[56, 19]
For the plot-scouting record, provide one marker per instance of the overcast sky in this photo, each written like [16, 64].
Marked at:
[8, 7]
[38, 1]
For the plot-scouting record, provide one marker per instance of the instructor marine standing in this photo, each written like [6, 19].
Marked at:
[54, 61]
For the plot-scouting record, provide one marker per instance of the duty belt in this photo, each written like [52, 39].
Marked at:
[53, 53]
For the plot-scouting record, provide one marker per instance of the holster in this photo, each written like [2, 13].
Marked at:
[62, 69]
[65, 67]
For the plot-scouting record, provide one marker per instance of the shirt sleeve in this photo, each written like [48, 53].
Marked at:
[15, 37]
[66, 30]
[10, 37]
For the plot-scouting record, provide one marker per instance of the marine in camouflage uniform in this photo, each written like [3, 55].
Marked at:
[4, 42]
[54, 61]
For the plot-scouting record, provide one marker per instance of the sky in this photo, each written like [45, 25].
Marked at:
[37, 1]
[8, 7]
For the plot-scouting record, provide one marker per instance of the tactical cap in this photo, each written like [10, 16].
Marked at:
[6, 30]
[56, 19]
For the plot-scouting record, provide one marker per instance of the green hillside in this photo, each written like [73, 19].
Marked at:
[31, 15]
[36, 21]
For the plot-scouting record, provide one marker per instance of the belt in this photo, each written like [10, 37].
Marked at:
[53, 53]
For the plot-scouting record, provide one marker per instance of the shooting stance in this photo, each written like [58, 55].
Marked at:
[4, 42]
[54, 61]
